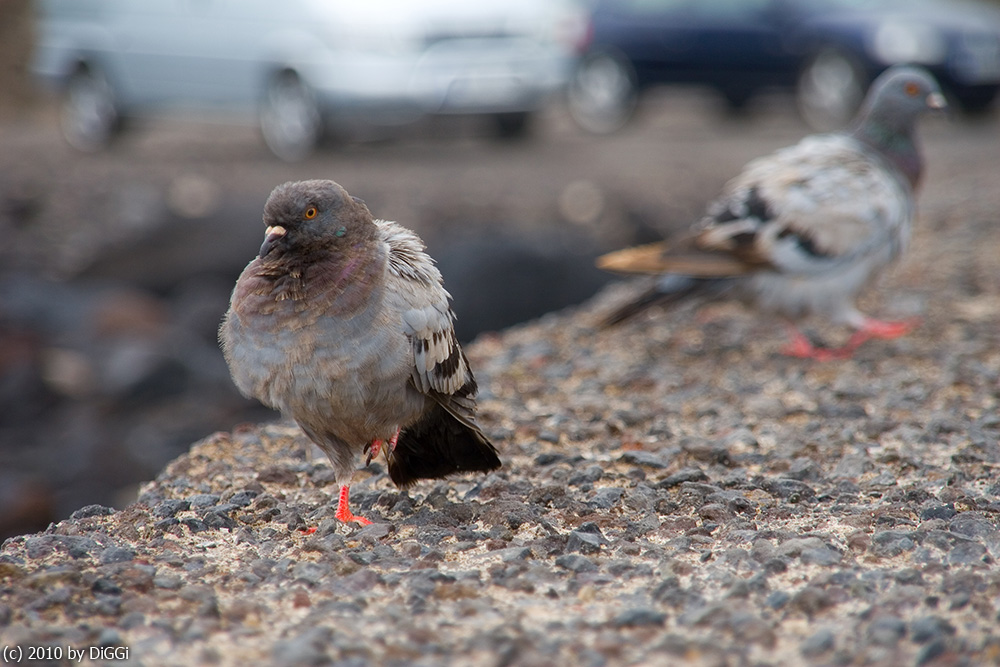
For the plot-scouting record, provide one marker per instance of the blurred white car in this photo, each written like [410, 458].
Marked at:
[299, 66]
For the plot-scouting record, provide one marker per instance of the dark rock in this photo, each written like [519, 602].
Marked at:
[202, 500]
[92, 511]
[305, 650]
[681, 476]
[309, 572]
[576, 563]
[932, 651]
[945, 512]
[548, 458]
[928, 628]
[639, 617]
[968, 553]
[776, 565]
[791, 490]
[606, 498]
[168, 581]
[886, 631]
[971, 524]
[586, 543]
[514, 554]
[811, 600]
[116, 555]
[215, 521]
[817, 643]
[194, 525]
[889, 543]
[646, 459]
[588, 476]
[777, 599]
[803, 469]
[170, 507]
[106, 587]
[40, 546]
[242, 498]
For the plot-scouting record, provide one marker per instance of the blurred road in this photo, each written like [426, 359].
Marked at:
[117, 266]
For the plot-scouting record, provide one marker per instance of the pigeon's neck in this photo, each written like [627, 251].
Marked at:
[893, 138]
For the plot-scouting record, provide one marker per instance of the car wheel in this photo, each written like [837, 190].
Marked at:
[89, 116]
[737, 99]
[830, 90]
[289, 118]
[602, 93]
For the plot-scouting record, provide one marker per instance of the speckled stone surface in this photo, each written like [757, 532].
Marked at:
[674, 491]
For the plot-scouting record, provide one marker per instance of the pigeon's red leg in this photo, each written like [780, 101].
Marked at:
[344, 512]
[392, 442]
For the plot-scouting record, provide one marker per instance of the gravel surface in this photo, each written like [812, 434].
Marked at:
[672, 490]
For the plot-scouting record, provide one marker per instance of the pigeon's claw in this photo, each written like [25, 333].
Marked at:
[375, 447]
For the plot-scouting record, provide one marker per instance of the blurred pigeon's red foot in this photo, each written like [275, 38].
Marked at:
[872, 328]
[800, 346]
[344, 513]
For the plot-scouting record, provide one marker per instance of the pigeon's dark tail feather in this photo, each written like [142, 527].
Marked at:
[439, 445]
[668, 289]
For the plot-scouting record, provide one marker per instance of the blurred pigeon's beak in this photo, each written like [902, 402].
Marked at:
[272, 235]
[937, 101]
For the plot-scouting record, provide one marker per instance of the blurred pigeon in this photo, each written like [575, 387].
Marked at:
[804, 229]
[342, 323]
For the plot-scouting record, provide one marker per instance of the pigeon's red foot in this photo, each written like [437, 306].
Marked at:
[344, 513]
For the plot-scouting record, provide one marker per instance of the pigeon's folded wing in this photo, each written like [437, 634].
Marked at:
[440, 368]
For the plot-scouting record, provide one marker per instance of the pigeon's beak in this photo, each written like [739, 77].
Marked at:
[272, 235]
[937, 101]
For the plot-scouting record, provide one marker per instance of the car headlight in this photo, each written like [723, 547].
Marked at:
[903, 41]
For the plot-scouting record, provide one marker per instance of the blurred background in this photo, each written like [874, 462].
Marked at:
[520, 139]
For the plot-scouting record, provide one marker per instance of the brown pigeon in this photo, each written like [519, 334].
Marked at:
[342, 323]
[803, 230]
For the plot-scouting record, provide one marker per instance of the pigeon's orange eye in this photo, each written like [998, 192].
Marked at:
[911, 89]
[310, 213]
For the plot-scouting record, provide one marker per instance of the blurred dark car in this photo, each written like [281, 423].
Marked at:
[299, 67]
[827, 51]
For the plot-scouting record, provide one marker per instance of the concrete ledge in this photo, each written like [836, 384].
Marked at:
[674, 490]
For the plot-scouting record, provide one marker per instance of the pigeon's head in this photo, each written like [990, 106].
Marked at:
[308, 215]
[903, 92]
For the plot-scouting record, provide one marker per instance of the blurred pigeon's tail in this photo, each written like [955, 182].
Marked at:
[668, 289]
[438, 445]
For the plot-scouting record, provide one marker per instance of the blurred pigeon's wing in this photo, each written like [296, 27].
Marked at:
[801, 210]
